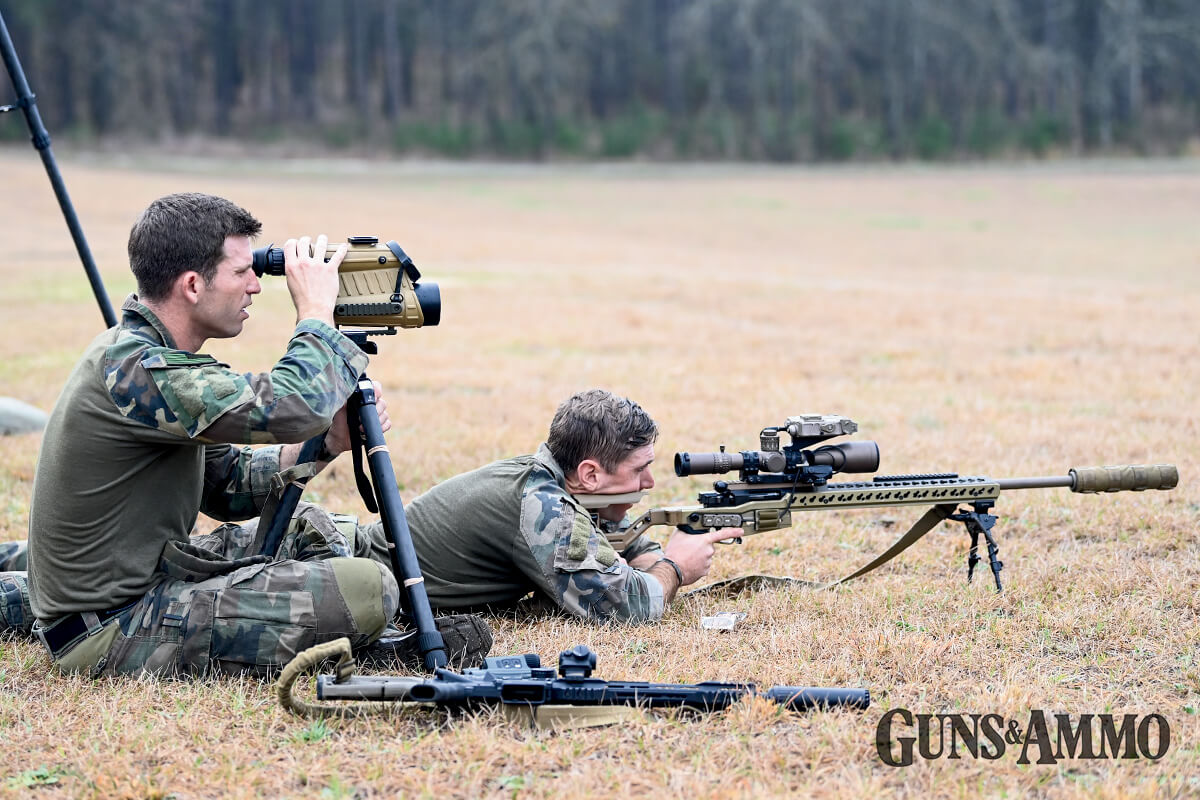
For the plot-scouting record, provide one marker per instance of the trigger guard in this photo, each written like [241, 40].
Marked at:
[697, 531]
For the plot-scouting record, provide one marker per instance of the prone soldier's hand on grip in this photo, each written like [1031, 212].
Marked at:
[1124, 478]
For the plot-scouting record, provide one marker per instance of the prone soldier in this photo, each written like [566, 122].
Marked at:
[538, 523]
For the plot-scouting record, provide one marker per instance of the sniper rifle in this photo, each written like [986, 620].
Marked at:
[775, 481]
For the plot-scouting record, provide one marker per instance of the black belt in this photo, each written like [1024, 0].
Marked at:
[61, 634]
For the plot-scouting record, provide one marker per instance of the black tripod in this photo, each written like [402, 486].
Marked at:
[27, 102]
[382, 498]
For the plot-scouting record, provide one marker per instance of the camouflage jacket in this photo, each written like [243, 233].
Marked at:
[491, 536]
[139, 443]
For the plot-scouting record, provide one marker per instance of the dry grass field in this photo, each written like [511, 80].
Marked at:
[999, 321]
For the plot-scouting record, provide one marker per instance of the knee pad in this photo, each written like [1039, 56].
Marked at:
[370, 591]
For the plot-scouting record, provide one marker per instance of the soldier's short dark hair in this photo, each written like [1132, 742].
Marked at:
[599, 425]
[180, 233]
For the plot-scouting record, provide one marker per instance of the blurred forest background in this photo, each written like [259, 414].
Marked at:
[764, 80]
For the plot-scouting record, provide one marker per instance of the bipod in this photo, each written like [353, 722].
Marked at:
[979, 522]
[384, 498]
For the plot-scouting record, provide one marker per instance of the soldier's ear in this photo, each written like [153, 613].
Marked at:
[188, 286]
[587, 474]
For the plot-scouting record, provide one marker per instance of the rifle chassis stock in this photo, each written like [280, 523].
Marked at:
[776, 481]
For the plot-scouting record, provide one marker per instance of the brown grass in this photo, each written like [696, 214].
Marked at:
[995, 321]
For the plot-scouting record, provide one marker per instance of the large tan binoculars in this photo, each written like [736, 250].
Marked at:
[378, 285]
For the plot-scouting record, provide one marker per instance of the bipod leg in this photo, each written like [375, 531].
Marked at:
[973, 555]
[993, 553]
[403, 555]
[978, 521]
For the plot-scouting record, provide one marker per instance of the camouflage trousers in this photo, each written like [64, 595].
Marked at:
[15, 613]
[222, 608]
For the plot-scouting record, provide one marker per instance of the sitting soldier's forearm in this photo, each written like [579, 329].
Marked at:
[289, 453]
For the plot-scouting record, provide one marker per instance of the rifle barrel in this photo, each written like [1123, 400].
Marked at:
[1116, 478]
[1046, 482]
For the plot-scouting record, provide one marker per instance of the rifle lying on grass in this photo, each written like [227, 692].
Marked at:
[776, 481]
[570, 695]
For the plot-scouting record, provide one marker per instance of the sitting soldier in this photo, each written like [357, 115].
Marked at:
[139, 443]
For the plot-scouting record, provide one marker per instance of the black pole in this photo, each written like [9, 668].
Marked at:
[41, 142]
[400, 547]
[289, 499]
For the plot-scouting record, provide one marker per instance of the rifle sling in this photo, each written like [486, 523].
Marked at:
[928, 521]
[358, 444]
[283, 496]
[742, 583]
[306, 660]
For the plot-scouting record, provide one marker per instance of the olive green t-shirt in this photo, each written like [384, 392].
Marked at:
[138, 444]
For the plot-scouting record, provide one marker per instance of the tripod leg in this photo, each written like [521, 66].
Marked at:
[400, 547]
[285, 502]
[27, 102]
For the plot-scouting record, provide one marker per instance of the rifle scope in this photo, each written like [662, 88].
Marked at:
[378, 285]
[846, 457]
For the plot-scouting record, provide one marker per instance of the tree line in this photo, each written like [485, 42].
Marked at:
[776, 80]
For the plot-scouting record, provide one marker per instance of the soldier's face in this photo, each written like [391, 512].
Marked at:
[631, 475]
[221, 310]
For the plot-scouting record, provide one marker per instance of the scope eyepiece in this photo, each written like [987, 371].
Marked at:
[706, 463]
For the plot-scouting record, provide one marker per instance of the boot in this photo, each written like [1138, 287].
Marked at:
[467, 637]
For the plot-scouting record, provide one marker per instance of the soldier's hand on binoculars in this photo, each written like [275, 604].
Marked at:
[312, 281]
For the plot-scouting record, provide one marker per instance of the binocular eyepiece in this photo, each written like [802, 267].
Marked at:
[846, 457]
[378, 285]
